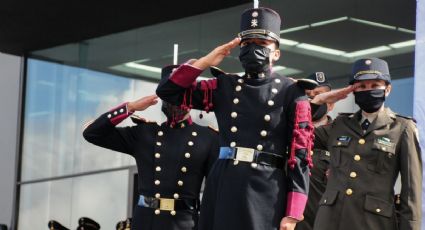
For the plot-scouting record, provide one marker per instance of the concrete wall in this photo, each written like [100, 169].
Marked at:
[10, 70]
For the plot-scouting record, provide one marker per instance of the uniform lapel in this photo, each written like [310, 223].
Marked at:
[352, 122]
[384, 118]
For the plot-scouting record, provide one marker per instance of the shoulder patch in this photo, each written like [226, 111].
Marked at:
[213, 129]
[87, 124]
[139, 120]
[406, 117]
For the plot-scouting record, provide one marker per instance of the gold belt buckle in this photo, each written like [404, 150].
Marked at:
[166, 204]
[245, 154]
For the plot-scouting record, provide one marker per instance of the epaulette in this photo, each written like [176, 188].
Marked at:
[139, 120]
[215, 71]
[212, 128]
[87, 124]
[406, 117]
[307, 84]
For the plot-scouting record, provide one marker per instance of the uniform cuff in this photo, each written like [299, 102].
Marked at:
[295, 205]
[185, 75]
[118, 114]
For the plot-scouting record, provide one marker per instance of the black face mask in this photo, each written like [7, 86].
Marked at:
[371, 100]
[320, 112]
[255, 58]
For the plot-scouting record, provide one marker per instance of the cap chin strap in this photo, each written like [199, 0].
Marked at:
[259, 31]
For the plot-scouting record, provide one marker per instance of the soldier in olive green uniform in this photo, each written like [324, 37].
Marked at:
[368, 151]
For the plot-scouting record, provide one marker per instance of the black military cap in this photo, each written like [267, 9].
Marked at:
[261, 23]
[54, 225]
[85, 223]
[320, 78]
[370, 69]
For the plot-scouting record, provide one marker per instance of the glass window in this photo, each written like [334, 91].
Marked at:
[102, 197]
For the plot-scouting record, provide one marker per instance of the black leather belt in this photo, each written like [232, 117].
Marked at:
[252, 156]
[168, 204]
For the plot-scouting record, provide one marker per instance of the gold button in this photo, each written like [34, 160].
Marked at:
[187, 155]
[234, 129]
[157, 182]
[259, 147]
[357, 157]
[232, 144]
[160, 133]
[180, 183]
[353, 174]
[277, 80]
[362, 141]
[158, 143]
[194, 134]
[378, 210]
[324, 201]
[267, 117]
[270, 102]
[263, 133]
[176, 196]
[238, 88]
[274, 90]
[233, 114]
[235, 162]
[339, 143]
[254, 165]
[235, 101]
[240, 80]
[184, 169]
[190, 143]
[349, 191]
[384, 149]
[173, 213]
[158, 169]
[157, 212]
[157, 155]
[157, 195]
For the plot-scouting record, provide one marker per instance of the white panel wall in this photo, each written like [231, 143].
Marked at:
[10, 67]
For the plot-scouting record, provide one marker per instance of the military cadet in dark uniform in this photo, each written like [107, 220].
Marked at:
[261, 178]
[368, 151]
[172, 160]
[320, 157]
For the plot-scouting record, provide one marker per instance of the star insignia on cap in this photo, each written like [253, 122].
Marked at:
[320, 77]
[254, 23]
[254, 14]
[368, 62]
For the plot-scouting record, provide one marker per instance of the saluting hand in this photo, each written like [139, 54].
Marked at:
[332, 96]
[217, 55]
[142, 103]
[288, 223]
